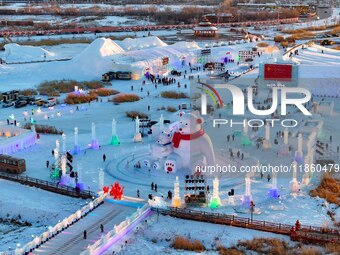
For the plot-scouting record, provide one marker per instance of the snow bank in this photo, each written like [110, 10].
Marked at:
[18, 53]
[141, 43]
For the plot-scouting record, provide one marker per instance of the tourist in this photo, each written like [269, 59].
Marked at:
[85, 234]
[292, 233]
[102, 228]
[297, 225]
[233, 137]
[148, 107]
[104, 157]
[155, 187]
[268, 177]
[169, 195]
[47, 163]
[138, 195]
[131, 88]
[52, 152]
[228, 138]
[152, 186]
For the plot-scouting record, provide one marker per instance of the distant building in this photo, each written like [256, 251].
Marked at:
[205, 29]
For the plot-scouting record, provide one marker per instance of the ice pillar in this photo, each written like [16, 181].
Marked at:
[176, 201]
[114, 137]
[266, 142]
[94, 141]
[138, 135]
[215, 200]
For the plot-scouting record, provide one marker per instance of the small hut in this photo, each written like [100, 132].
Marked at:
[205, 29]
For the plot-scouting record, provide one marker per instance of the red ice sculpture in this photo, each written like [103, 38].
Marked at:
[106, 189]
[116, 191]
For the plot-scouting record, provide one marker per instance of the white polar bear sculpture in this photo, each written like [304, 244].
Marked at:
[160, 151]
[191, 145]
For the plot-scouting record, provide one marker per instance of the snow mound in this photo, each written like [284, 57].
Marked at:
[96, 58]
[21, 53]
[141, 43]
[99, 48]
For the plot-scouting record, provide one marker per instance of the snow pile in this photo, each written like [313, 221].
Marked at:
[19, 53]
[96, 58]
[100, 48]
[141, 43]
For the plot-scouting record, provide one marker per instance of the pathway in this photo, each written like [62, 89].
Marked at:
[71, 241]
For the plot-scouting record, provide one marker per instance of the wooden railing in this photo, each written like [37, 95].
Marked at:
[309, 234]
[49, 186]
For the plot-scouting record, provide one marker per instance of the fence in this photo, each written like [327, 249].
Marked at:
[49, 186]
[309, 234]
[118, 232]
[108, 29]
[59, 227]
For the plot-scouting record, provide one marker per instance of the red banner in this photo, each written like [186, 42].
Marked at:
[277, 72]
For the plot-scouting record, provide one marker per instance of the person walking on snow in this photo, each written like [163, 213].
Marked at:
[268, 177]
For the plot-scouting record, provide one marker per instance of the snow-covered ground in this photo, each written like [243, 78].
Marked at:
[89, 62]
[38, 207]
[152, 239]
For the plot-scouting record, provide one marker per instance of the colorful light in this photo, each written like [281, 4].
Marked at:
[214, 203]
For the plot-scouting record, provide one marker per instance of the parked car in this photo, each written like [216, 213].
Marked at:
[8, 104]
[40, 102]
[327, 42]
[34, 102]
[50, 102]
[21, 103]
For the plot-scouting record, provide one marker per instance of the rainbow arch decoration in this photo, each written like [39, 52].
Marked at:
[212, 93]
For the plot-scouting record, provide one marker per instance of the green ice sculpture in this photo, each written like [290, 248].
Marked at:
[215, 201]
[246, 141]
[114, 139]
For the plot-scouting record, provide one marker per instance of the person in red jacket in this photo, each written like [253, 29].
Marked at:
[292, 233]
[297, 225]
